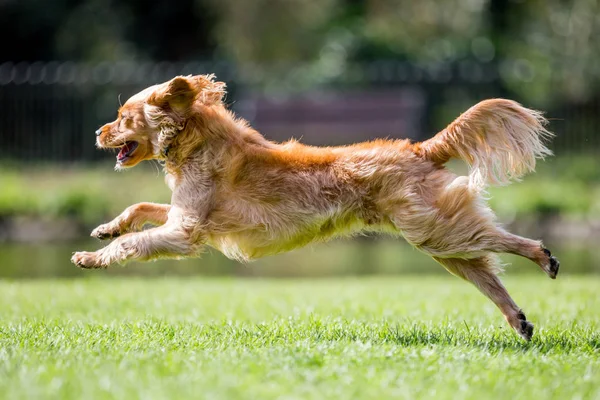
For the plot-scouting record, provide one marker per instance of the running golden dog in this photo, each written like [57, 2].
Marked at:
[248, 197]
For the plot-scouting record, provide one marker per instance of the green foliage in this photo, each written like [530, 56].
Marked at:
[85, 194]
[545, 50]
[567, 186]
[349, 338]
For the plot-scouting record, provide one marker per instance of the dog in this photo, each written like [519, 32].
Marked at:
[248, 197]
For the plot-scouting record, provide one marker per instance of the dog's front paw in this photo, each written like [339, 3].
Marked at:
[87, 260]
[106, 231]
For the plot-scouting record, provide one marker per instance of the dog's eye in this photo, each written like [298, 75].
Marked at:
[126, 122]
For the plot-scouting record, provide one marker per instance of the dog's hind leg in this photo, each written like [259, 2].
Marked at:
[481, 272]
[460, 223]
[501, 241]
[133, 219]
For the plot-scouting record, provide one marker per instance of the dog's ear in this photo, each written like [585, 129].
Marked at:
[210, 92]
[178, 95]
[181, 92]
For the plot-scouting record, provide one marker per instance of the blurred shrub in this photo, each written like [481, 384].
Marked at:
[85, 194]
[567, 186]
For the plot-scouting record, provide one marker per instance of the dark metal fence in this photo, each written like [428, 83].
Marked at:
[49, 111]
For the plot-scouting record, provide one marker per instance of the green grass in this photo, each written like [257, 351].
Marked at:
[406, 337]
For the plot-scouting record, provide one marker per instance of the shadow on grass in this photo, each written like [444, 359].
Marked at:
[500, 342]
[159, 333]
[576, 339]
[494, 340]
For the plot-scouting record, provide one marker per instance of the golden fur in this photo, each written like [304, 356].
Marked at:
[237, 192]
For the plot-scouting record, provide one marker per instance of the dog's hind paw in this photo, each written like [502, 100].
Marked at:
[526, 331]
[524, 328]
[552, 266]
[104, 232]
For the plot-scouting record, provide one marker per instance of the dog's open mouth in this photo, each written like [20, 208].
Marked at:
[127, 151]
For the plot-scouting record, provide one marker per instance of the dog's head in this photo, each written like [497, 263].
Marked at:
[150, 120]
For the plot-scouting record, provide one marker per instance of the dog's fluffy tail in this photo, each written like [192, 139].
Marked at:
[498, 138]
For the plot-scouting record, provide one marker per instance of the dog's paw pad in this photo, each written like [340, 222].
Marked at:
[525, 330]
[554, 267]
[103, 232]
[107, 235]
[553, 264]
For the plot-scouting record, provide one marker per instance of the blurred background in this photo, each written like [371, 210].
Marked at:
[327, 72]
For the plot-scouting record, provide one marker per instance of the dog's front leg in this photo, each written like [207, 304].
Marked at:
[167, 241]
[133, 219]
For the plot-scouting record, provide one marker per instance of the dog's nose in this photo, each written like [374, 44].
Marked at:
[99, 132]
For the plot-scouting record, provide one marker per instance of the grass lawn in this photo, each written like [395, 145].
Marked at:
[396, 337]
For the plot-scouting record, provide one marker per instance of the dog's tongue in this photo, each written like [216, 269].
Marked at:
[125, 150]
